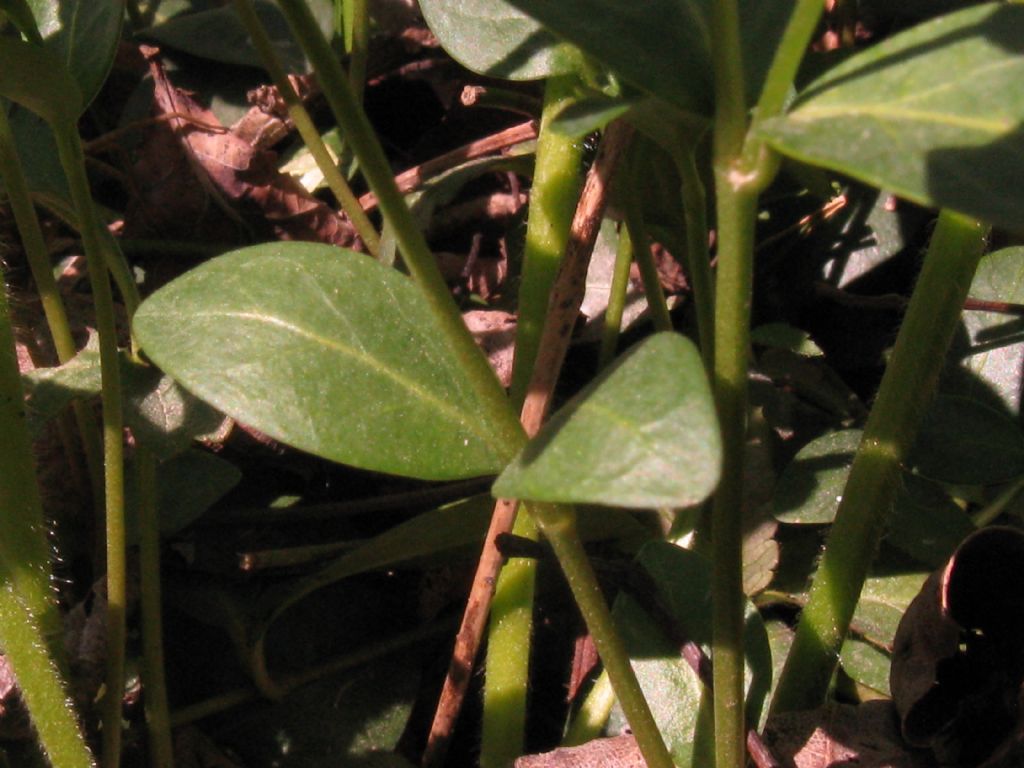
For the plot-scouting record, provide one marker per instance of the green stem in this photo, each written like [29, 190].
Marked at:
[636, 234]
[73, 161]
[357, 43]
[616, 298]
[558, 524]
[698, 263]
[736, 208]
[556, 185]
[418, 258]
[307, 130]
[158, 721]
[907, 387]
[593, 716]
[508, 657]
[46, 286]
[53, 715]
[24, 551]
[788, 55]
[552, 204]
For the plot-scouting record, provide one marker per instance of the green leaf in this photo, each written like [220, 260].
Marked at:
[676, 697]
[866, 663]
[187, 485]
[493, 38]
[33, 77]
[84, 36]
[811, 485]
[644, 434]
[933, 114]
[21, 16]
[325, 350]
[967, 442]
[991, 355]
[926, 523]
[663, 46]
[785, 336]
[218, 35]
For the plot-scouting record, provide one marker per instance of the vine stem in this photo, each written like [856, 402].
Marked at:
[72, 160]
[907, 387]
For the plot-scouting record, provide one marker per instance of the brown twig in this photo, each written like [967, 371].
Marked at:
[566, 298]
[417, 175]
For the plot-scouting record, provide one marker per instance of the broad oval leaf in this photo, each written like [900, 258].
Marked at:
[327, 351]
[643, 435]
[811, 486]
[84, 37]
[934, 114]
[493, 38]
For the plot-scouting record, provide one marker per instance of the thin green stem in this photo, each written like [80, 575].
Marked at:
[636, 234]
[698, 262]
[558, 524]
[417, 256]
[616, 298]
[53, 715]
[46, 286]
[158, 721]
[907, 387]
[306, 128]
[73, 161]
[556, 186]
[789, 54]
[357, 42]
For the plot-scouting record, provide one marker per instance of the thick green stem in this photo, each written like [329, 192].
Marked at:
[593, 716]
[736, 213]
[158, 720]
[73, 161]
[357, 42]
[906, 389]
[53, 715]
[417, 256]
[558, 524]
[53, 307]
[736, 208]
[552, 203]
[556, 186]
[508, 657]
[307, 130]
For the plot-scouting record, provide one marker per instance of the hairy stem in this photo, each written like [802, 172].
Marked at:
[907, 387]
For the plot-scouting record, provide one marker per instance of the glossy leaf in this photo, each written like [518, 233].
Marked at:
[325, 350]
[644, 434]
[933, 114]
[84, 36]
[493, 38]
[683, 598]
[663, 46]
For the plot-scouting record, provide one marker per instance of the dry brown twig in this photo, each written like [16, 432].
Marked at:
[563, 308]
